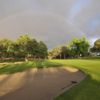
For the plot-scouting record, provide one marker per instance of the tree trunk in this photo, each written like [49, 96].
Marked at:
[26, 59]
[60, 56]
[64, 56]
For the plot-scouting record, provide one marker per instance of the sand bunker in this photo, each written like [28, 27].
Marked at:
[38, 84]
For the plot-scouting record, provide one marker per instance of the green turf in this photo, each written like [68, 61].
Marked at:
[10, 68]
[89, 89]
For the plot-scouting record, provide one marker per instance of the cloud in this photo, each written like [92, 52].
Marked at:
[77, 7]
[53, 21]
[53, 29]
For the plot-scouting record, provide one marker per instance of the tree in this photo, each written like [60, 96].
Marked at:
[23, 41]
[31, 48]
[23, 47]
[61, 52]
[27, 46]
[65, 52]
[55, 53]
[43, 50]
[14, 50]
[4, 47]
[79, 47]
[96, 47]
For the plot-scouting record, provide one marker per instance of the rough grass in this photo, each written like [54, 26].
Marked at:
[10, 68]
[89, 89]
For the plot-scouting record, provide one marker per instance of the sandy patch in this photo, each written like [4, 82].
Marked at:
[38, 84]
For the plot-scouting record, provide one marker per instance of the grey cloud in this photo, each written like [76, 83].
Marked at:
[50, 28]
[50, 20]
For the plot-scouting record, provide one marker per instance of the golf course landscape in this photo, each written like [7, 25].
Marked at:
[87, 89]
[49, 49]
[28, 70]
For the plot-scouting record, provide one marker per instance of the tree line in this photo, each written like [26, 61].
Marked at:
[24, 47]
[77, 48]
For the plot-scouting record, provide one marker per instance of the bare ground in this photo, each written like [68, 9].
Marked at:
[38, 84]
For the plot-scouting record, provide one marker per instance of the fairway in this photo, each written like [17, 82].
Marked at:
[89, 89]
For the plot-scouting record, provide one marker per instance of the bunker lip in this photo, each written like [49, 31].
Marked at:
[39, 84]
[72, 83]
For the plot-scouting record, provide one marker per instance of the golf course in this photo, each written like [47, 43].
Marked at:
[49, 49]
[87, 88]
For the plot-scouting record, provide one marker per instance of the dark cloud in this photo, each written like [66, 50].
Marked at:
[53, 21]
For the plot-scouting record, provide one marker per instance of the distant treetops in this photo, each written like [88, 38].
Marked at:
[96, 47]
[23, 47]
[28, 47]
[77, 48]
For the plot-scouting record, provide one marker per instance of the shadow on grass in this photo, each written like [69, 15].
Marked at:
[13, 68]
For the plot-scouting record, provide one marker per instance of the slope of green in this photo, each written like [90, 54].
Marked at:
[89, 89]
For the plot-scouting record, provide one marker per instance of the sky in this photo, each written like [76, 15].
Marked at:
[52, 21]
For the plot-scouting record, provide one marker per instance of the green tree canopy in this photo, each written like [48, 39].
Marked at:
[4, 47]
[96, 47]
[23, 47]
[60, 52]
[43, 50]
[79, 47]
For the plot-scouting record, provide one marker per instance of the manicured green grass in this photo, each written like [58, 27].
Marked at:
[10, 68]
[89, 89]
